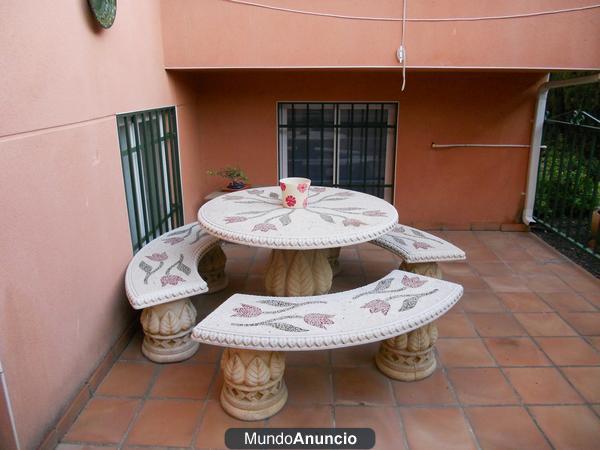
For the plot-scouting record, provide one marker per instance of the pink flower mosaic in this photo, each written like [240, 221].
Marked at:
[302, 187]
[375, 306]
[318, 320]
[158, 257]
[173, 240]
[264, 227]
[235, 219]
[170, 279]
[247, 311]
[353, 223]
[413, 282]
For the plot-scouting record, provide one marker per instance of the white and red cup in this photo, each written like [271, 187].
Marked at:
[294, 192]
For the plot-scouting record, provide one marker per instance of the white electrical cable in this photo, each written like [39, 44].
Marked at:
[402, 44]
[404, 19]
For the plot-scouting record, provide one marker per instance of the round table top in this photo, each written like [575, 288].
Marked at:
[334, 218]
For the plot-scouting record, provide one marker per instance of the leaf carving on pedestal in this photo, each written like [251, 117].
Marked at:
[418, 340]
[188, 316]
[277, 365]
[276, 274]
[257, 373]
[299, 280]
[433, 333]
[234, 370]
[400, 342]
[169, 324]
[150, 321]
[321, 271]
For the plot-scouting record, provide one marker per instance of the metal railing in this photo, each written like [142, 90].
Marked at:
[568, 183]
[150, 159]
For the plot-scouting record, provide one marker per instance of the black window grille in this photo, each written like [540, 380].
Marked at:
[348, 145]
[150, 158]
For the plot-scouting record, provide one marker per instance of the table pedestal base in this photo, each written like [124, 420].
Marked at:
[409, 357]
[294, 273]
[212, 269]
[253, 387]
[334, 255]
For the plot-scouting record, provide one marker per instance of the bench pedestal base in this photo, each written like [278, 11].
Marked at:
[427, 269]
[409, 357]
[212, 269]
[298, 273]
[167, 331]
[253, 387]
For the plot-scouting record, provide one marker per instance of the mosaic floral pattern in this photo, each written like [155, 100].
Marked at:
[409, 299]
[281, 306]
[328, 207]
[387, 293]
[406, 236]
[172, 238]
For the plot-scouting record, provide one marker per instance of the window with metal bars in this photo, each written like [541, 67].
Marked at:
[348, 145]
[150, 158]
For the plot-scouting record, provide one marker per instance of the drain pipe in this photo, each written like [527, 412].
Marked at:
[536, 137]
[6, 415]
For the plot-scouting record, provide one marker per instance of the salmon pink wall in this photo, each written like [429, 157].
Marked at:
[236, 123]
[217, 33]
[65, 239]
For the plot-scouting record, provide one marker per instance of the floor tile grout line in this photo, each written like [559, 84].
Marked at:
[518, 396]
[403, 428]
[200, 420]
[568, 380]
[531, 415]
[467, 420]
[484, 343]
[155, 374]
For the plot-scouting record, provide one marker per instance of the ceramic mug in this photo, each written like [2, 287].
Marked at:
[294, 192]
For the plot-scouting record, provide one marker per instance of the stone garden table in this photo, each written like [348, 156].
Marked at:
[302, 239]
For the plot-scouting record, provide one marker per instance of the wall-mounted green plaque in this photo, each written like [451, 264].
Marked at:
[104, 11]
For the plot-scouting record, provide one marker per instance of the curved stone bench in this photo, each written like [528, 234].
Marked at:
[420, 251]
[399, 310]
[160, 279]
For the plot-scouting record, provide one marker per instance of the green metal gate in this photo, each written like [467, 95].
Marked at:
[150, 159]
[568, 184]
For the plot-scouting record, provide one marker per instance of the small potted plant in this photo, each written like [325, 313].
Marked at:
[236, 176]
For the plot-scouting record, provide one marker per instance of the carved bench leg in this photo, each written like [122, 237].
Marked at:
[428, 269]
[409, 357]
[212, 269]
[334, 255]
[167, 331]
[253, 387]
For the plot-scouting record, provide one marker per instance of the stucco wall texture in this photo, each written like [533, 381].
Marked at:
[65, 242]
[223, 34]
[459, 187]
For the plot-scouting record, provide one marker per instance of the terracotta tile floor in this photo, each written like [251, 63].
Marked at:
[519, 365]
